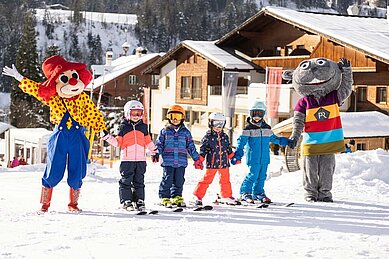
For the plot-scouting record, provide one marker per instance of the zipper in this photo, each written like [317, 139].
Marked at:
[220, 150]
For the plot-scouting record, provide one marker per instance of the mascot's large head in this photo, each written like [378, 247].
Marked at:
[317, 77]
[67, 79]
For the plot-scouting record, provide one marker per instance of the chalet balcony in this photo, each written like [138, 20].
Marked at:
[288, 62]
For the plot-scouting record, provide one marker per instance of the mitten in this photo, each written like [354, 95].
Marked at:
[343, 63]
[155, 158]
[103, 134]
[235, 161]
[198, 164]
[13, 72]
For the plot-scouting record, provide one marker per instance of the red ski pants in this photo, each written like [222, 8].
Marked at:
[224, 180]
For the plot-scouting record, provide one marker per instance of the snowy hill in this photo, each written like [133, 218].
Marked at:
[114, 30]
[356, 225]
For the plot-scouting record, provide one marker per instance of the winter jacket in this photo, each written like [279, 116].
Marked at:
[257, 138]
[15, 163]
[81, 107]
[216, 149]
[174, 145]
[133, 138]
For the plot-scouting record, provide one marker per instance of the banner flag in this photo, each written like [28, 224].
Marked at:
[274, 80]
[230, 84]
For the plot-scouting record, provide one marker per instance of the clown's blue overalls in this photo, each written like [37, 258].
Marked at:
[66, 147]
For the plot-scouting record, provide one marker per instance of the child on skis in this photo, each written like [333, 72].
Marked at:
[257, 134]
[216, 149]
[133, 139]
[173, 144]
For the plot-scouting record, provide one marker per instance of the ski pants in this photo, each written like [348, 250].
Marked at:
[318, 172]
[66, 147]
[172, 182]
[131, 184]
[254, 181]
[224, 181]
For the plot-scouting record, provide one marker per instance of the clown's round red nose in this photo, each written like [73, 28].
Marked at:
[73, 81]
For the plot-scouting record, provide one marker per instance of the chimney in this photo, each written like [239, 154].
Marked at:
[125, 47]
[108, 57]
[139, 51]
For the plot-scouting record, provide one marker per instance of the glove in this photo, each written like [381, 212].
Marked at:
[198, 164]
[235, 161]
[13, 72]
[343, 63]
[103, 133]
[155, 158]
[284, 141]
[293, 142]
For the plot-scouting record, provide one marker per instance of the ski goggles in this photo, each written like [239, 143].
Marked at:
[175, 116]
[257, 113]
[218, 124]
[136, 113]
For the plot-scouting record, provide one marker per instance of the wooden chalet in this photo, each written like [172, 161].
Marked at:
[280, 37]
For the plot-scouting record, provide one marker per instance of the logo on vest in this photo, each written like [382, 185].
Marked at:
[322, 114]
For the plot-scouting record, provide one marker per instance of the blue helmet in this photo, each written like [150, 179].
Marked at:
[258, 109]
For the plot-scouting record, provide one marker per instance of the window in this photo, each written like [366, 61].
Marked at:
[288, 50]
[154, 79]
[361, 146]
[216, 90]
[244, 119]
[242, 89]
[236, 123]
[185, 87]
[196, 117]
[196, 87]
[167, 81]
[164, 113]
[132, 80]
[187, 115]
[362, 94]
[381, 95]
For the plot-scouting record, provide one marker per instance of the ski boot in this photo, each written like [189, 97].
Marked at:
[247, 197]
[127, 205]
[140, 205]
[166, 202]
[230, 201]
[261, 198]
[178, 201]
[197, 201]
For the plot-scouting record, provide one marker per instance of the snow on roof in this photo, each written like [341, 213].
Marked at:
[30, 134]
[219, 56]
[357, 124]
[4, 127]
[367, 34]
[120, 66]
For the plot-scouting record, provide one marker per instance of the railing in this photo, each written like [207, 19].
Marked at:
[217, 89]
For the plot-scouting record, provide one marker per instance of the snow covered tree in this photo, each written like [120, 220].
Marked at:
[52, 50]
[74, 49]
[26, 111]
[95, 56]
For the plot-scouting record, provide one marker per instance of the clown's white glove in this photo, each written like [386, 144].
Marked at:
[12, 72]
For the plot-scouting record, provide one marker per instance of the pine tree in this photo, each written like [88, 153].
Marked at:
[74, 50]
[26, 111]
[52, 50]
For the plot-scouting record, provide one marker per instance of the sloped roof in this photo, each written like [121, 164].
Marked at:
[365, 34]
[4, 127]
[121, 66]
[355, 124]
[207, 49]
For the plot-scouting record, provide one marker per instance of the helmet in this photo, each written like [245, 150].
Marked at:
[216, 119]
[176, 109]
[257, 109]
[132, 105]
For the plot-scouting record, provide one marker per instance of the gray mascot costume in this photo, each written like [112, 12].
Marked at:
[324, 86]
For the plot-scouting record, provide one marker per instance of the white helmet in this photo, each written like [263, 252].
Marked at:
[257, 109]
[132, 105]
[216, 119]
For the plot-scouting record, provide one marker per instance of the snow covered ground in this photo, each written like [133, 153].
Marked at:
[356, 225]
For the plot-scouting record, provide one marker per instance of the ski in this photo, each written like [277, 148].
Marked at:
[290, 204]
[202, 208]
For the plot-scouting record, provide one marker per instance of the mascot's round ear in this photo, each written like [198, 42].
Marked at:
[287, 75]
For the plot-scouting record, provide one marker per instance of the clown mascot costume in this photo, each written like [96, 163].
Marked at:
[71, 110]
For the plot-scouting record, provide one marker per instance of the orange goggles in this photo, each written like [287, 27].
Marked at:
[136, 112]
[175, 116]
